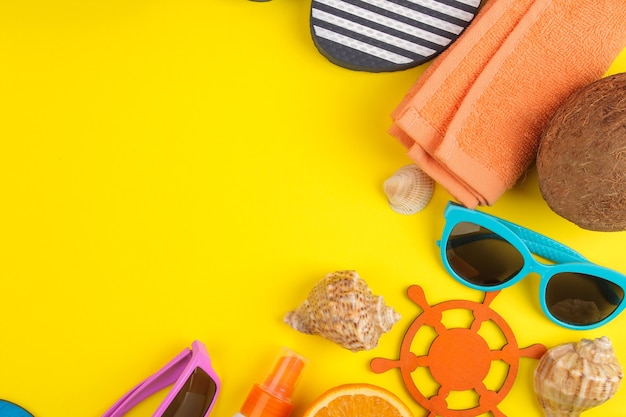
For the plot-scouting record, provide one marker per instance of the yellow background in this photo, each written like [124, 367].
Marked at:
[180, 170]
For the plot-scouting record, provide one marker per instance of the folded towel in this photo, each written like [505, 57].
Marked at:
[474, 118]
[426, 111]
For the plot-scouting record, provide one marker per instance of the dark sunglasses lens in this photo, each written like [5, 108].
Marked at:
[480, 256]
[582, 299]
[194, 398]
[8, 409]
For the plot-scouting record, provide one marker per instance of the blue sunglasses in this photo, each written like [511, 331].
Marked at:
[488, 254]
[8, 409]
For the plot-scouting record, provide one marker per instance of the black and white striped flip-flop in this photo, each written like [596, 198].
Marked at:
[387, 35]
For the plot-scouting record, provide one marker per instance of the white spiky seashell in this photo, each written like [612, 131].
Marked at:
[409, 189]
[341, 308]
[574, 377]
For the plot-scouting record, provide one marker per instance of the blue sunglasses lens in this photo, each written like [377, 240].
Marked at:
[582, 299]
[8, 409]
[480, 256]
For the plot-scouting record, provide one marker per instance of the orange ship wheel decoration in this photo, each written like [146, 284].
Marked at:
[458, 359]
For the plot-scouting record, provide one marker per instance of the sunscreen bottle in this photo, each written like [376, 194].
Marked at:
[272, 398]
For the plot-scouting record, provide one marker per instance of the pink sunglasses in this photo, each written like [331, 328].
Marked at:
[195, 389]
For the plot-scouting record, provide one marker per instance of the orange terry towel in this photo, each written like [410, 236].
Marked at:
[474, 118]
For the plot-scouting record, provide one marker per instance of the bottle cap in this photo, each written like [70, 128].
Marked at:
[272, 398]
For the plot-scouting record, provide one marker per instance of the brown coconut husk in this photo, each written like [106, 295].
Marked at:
[581, 161]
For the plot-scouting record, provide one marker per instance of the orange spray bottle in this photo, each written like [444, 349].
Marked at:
[272, 398]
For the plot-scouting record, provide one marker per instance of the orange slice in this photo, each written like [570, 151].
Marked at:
[362, 400]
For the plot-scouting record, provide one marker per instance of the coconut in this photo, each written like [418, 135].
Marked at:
[581, 161]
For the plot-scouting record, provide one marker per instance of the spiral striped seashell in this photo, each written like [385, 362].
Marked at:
[341, 308]
[574, 377]
[409, 189]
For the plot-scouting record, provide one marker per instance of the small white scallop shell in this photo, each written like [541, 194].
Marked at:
[409, 189]
[574, 377]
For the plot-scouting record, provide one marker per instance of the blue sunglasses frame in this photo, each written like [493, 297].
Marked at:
[527, 243]
[9, 409]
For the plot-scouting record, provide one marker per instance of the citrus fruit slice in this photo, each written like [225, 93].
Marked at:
[363, 400]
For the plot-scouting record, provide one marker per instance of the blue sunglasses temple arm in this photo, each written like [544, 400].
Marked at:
[536, 243]
[544, 246]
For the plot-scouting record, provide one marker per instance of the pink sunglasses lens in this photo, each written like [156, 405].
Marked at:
[195, 397]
